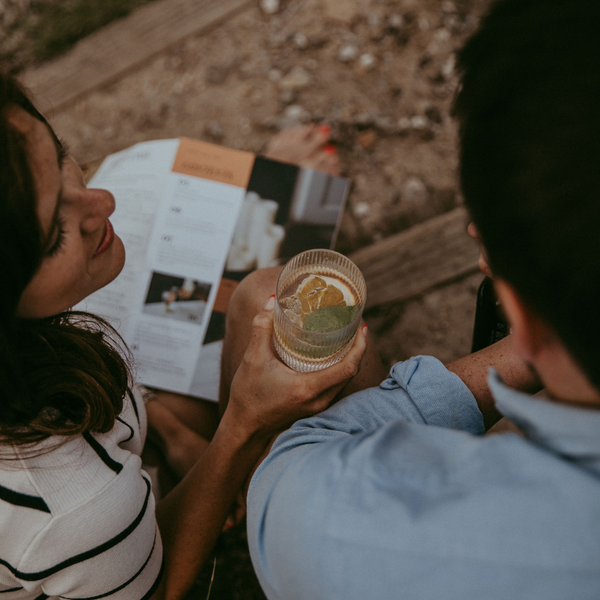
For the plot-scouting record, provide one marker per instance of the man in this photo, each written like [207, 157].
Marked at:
[394, 492]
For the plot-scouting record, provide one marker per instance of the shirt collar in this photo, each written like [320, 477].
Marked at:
[573, 432]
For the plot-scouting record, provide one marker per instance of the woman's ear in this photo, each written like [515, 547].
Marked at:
[530, 332]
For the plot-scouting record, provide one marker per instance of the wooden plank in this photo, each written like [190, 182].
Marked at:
[109, 53]
[413, 261]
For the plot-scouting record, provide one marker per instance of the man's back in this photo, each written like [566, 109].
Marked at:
[394, 493]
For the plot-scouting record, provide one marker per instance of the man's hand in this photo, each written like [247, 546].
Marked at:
[267, 396]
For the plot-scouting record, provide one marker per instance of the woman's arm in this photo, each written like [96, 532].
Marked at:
[266, 397]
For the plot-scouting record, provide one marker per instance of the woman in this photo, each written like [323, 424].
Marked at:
[77, 516]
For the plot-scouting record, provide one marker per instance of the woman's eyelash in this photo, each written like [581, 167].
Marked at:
[60, 238]
[63, 151]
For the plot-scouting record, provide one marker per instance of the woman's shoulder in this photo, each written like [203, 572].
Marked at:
[84, 495]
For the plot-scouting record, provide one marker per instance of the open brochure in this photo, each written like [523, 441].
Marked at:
[195, 219]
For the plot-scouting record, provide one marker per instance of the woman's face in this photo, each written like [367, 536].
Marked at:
[82, 253]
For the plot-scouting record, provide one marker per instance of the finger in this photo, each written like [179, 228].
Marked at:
[347, 368]
[262, 330]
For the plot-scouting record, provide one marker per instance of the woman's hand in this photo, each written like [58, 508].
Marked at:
[267, 396]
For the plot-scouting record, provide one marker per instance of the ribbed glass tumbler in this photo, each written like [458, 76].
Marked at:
[312, 280]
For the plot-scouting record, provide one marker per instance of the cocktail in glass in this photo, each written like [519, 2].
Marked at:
[320, 297]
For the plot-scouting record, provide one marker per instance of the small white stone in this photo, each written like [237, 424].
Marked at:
[396, 21]
[361, 209]
[295, 112]
[269, 7]
[448, 67]
[367, 61]
[301, 41]
[418, 122]
[348, 52]
[414, 191]
[423, 24]
[311, 64]
[448, 6]
[441, 35]
[296, 78]
[404, 123]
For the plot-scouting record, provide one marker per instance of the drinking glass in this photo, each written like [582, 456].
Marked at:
[308, 282]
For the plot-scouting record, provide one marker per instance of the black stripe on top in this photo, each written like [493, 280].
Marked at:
[134, 404]
[118, 589]
[156, 583]
[19, 499]
[130, 428]
[42, 597]
[89, 553]
[117, 467]
[11, 590]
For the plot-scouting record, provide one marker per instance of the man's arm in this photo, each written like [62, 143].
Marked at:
[473, 370]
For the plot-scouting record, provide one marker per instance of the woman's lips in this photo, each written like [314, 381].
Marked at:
[107, 240]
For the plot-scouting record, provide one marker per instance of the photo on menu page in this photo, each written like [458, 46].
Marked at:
[179, 298]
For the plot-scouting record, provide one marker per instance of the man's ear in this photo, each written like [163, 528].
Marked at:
[530, 333]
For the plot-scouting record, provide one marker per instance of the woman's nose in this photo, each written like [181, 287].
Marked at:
[98, 205]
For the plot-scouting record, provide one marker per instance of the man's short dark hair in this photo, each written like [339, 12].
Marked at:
[529, 113]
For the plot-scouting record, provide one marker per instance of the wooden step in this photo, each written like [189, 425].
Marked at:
[413, 261]
[108, 54]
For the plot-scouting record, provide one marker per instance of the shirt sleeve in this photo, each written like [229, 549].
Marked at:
[344, 457]
[419, 390]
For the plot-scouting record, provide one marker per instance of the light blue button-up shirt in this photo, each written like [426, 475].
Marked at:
[395, 493]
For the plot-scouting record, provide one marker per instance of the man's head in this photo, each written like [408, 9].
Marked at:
[529, 113]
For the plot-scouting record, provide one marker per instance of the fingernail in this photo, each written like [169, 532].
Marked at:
[330, 149]
[364, 329]
[324, 128]
[270, 303]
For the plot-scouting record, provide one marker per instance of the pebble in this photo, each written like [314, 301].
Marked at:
[366, 61]
[311, 64]
[418, 122]
[414, 191]
[448, 67]
[295, 114]
[361, 209]
[214, 130]
[404, 123]
[348, 52]
[395, 21]
[297, 78]
[269, 7]
[301, 41]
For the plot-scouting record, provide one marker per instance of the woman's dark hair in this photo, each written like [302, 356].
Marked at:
[530, 159]
[61, 375]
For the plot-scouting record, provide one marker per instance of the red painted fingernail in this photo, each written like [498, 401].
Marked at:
[330, 149]
[324, 128]
[270, 303]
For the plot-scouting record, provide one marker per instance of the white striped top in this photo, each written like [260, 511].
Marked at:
[77, 519]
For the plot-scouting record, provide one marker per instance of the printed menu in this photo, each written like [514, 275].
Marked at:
[195, 218]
